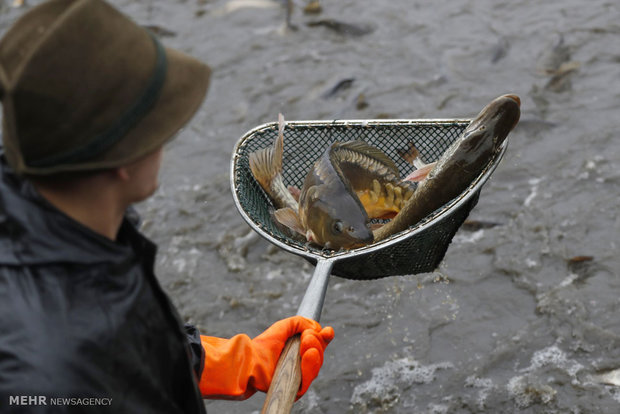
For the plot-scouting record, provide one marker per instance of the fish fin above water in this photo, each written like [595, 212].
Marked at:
[421, 173]
[289, 218]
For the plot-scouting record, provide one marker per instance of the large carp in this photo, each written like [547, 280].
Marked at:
[459, 165]
[351, 183]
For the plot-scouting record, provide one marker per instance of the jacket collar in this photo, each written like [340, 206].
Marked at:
[33, 231]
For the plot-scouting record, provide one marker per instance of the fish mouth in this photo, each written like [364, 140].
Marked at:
[498, 118]
[359, 244]
[514, 98]
[517, 100]
[361, 240]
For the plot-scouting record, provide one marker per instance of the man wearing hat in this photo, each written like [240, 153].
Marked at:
[89, 98]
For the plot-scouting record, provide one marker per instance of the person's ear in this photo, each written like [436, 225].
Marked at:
[122, 173]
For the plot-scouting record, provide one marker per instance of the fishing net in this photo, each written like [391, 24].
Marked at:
[416, 250]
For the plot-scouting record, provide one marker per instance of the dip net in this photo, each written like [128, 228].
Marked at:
[416, 250]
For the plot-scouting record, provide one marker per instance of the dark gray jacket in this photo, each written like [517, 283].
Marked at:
[84, 317]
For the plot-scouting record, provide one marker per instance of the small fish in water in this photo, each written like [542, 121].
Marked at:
[235, 5]
[348, 185]
[459, 165]
[361, 102]
[580, 259]
[475, 225]
[553, 56]
[342, 28]
[342, 85]
[500, 50]
[560, 81]
[313, 7]
[610, 377]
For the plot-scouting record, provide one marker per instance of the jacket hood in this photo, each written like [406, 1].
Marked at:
[33, 231]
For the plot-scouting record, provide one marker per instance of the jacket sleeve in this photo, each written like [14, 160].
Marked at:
[196, 351]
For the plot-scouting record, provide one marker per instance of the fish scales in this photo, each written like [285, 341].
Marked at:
[362, 163]
[373, 176]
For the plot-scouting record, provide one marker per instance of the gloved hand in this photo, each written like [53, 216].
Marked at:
[238, 367]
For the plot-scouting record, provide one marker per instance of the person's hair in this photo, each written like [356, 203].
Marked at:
[66, 178]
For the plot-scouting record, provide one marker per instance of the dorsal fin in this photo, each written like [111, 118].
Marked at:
[347, 151]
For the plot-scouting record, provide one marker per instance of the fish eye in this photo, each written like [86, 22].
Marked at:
[483, 127]
[338, 226]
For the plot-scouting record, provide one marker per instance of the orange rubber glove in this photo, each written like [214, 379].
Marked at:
[238, 367]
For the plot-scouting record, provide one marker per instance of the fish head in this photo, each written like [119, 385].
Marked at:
[337, 221]
[495, 121]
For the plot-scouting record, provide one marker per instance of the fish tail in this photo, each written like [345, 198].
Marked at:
[413, 156]
[409, 154]
[266, 164]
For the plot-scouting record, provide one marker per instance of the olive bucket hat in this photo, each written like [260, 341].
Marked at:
[85, 88]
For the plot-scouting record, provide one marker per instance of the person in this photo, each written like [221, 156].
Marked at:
[89, 98]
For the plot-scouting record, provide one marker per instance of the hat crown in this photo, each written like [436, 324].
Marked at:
[72, 69]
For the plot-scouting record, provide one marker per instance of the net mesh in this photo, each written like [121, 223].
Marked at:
[304, 142]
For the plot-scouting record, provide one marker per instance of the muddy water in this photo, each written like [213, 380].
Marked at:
[513, 320]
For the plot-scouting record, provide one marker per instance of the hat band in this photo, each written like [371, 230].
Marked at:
[124, 123]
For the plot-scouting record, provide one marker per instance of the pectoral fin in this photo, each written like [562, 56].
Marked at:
[421, 173]
[289, 218]
[295, 192]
